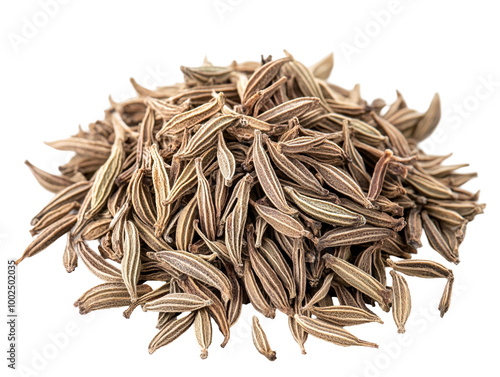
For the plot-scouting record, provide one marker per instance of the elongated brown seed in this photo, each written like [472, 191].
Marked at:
[256, 183]
[358, 279]
[401, 301]
[260, 340]
[176, 302]
[171, 331]
[203, 331]
[330, 333]
[196, 267]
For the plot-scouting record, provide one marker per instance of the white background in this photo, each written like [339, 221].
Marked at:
[60, 75]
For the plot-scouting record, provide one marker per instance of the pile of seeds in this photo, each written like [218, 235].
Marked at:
[256, 183]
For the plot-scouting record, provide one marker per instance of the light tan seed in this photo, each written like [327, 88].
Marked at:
[262, 77]
[203, 331]
[147, 234]
[171, 331]
[268, 277]
[190, 118]
[84, 147]
[97, 264]
[298, 333]
[267, 177]
[176, 303]
[236, 222]
[339, 180]
[50, 182]
[358, 279]
[343, 315]
[260, 340]
[184, 231]
[141, 199]
[330, 333]
[420, 268]
[322, 292]
[131, 261]
[205, 137]
[161, 185]
[295, 170]
[225, 158]
[276, 260]
[436, 239]
[48, 236]
[217, 309]
[282, 223]
[106, 296]
[324, 211]
[401, 301]
[105, 178]
[205, 203]
[255, 295]
[196, 267]
[54, 215]
[70, 258]
[353, 236]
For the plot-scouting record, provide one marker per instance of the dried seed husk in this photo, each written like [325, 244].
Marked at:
[184, 231]
[54, 215]
[255, 295]
[106, 296]
[203, 331]
[206, 207]
[196, 267]
[50, 182]
[282, 223]
[436, 239]
[330, 333]
[295, 170]
[353, 235]
[420, 268]
[268, 277]
[373, 216]
[267, 177]
[105, 178]
[171, 331]
[358, 279]
[72, 193]
[339, 180]
[278, 263]
[97, 264]
[217, 310]
[48, 236]
[205, 137]
[342, 315]
[260, 340]
[262, 77]
[176, 303]
[193, 117]
[325, 211]
[444, 304]
[401, 301]
[131, 261]
[227, 163]
[70, 258]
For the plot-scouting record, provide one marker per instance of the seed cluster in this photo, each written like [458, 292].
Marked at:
[259, 183]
